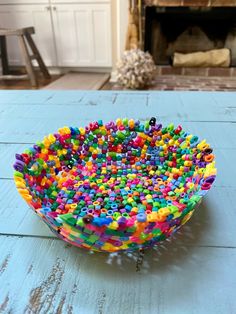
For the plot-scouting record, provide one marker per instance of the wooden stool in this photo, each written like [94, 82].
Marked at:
[23, 34]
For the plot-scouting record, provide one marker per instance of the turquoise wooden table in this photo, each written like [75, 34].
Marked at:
[193, 273]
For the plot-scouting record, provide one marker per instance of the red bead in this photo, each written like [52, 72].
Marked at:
[178, 129]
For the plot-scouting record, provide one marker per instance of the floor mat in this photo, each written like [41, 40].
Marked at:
[80, 81]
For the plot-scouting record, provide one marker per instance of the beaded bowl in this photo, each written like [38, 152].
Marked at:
[123, 185]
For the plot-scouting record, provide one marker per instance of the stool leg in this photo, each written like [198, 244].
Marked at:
[3, 45]
[28, 64]
[38, 57]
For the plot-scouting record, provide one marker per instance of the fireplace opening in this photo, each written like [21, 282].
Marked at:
[186, 30]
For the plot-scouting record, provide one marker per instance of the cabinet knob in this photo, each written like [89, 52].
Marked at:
[47, 8]
[54, 8]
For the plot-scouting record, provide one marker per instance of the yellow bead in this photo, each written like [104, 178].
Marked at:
[190, 185]
[20, 185]
[118, 122]
[27, 197]
[82, 131]
[51, 138]
[164, 211]
[152, 217]
[203, 145]
[64, 130]
[188, 163]
[19, 179]
[44, 151]
[46, 142]
[131, 123]
[113, 225]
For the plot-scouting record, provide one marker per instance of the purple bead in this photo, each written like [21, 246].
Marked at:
[37, 148]
[158, 127]
[210, 179]
[19, 157]
[122, 221]
[19, 166]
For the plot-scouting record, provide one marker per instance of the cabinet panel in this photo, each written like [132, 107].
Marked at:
[72, 35]
[17, 16]
[83, 34]
[101, 35]
[24, 1]
[78, 1]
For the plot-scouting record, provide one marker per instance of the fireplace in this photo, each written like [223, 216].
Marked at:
[188, 26]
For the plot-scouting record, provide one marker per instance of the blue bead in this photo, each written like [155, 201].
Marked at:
[141, 217]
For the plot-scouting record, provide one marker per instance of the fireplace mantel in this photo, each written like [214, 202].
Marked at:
[190, 3]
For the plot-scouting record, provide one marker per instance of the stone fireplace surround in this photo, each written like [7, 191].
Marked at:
[188, 3]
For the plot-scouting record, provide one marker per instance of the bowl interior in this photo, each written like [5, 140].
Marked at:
[116, 174]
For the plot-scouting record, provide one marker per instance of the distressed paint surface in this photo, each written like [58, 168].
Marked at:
[56, 277]
[194, 273]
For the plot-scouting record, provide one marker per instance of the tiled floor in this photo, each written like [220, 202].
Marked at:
[184, 82]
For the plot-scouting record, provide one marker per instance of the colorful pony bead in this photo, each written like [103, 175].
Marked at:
[122, 185]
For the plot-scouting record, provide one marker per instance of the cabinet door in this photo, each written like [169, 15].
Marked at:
[39, 16]
[83, 34]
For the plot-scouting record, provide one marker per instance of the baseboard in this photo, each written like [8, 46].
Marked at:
[64, 70]
[113, 78]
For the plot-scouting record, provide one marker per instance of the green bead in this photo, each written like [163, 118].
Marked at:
[80, 222]
[156, 231]
[18, 174]
[156, 204]
[170, 127]
[173, 209]
[68, 218]
[125, 121]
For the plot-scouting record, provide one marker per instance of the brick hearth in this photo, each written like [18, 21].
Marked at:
[186, 83]
[204, 72]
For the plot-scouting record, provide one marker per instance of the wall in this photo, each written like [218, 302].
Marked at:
[119, 28]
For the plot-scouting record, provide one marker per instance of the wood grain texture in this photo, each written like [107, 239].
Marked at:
[55, 278]
[193, 273]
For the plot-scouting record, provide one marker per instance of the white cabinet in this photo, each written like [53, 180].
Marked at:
[68, 35]
[82, 34]
[39, 16]
[24, 1]
[73, 1]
